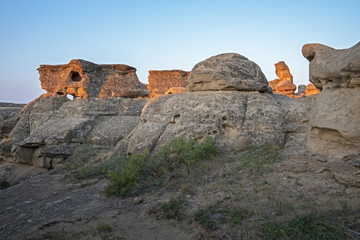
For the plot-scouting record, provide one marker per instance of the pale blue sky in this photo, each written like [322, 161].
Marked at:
[157, 35]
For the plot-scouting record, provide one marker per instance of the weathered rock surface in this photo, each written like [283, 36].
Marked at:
[234, 119]
[85, 79]
[52, 126]
[331, 68]
[176, 90]
[227, 72]
[334, 127]
[311, 90]
[8, 118]
[161, 81]
[284, 84]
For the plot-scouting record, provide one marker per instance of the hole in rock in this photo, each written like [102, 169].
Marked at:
[224, 118]
[75, 76]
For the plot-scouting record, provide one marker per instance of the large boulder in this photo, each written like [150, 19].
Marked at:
[52, 126]
[224, 72]
[85, 79]
[334, 128]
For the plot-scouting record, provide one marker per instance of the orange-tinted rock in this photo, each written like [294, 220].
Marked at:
[311, 89]
[85, 79]
[175, 90]
[284, 84]
[161, 81]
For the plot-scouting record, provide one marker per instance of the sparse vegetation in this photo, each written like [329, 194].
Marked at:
[212, 216]
[258, 158]
[172, 208]
[80, 157]
[97, 232]
[306, 227]
[144, 170]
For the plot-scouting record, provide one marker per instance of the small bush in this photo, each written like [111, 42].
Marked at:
[305, 227]
[172, 209]
[257, 158]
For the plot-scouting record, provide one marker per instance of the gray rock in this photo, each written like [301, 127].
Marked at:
[227, 72]
[334, 128]
[234, 119]
[331, 68]
[54, 124]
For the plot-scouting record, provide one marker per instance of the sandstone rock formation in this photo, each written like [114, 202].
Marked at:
[85, 79]
[311, 90]
[175, 90]
[334, 127]
[227, 72]
[331, 68]
[52, 126]
[284, 84]
[161, 81]
[233, 118]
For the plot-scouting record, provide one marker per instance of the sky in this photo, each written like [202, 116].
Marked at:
[164, 35]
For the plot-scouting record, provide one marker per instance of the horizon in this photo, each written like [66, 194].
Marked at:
[164, 35]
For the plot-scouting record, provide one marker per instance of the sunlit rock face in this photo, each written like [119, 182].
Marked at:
[284, 84]
[227, 72]
[85, 79]
[311, 90]
[334, 126]
[227, 99]
[160, 82]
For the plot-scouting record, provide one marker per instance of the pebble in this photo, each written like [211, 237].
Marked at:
[137, 200]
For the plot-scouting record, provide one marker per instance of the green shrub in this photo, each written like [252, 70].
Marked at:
[257, 158]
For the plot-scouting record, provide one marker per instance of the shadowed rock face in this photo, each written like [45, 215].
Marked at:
[227, 72]
[52, 126]
[331, 68]
[334, 127]
[85, 79]
[160, 82]
[284, 84]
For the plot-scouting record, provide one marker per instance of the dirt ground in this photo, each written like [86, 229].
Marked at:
[47, 203]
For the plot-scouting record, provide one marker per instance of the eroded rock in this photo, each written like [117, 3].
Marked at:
[227, 72]
[85, 79]
[334, 127]
[332, 68]
[311, 90]
[284, 84]
[160, 82]
[52, 126]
